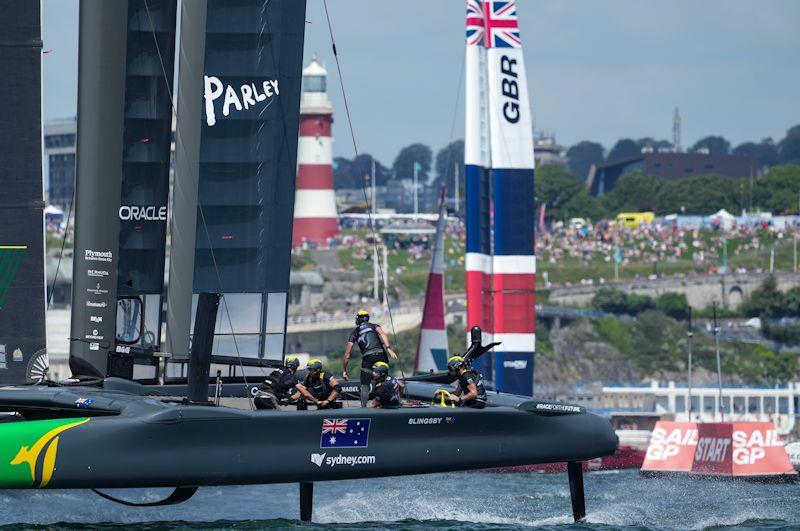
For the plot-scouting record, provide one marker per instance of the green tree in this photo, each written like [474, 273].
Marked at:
[765, 301]
[555, 186]
[623, 149]
[582, 155]
[610, 300]
[789, 147]
[778, 190]
[404, 162]
[654, 347]
[716, 145]
[639, 303]
[634, 192]
[651, 143]
[447, 159]
[343, 174]
[765, 152]
[585, 205]
[791, 302]
[356, 173]
[673, 304]
[619, 302]
[700, 194]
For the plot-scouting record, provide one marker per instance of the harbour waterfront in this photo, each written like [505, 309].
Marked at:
[469, 501]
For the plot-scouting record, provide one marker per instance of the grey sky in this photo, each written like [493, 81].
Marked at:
[598, 70]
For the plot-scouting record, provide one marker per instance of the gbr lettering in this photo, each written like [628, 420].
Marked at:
[510, 89]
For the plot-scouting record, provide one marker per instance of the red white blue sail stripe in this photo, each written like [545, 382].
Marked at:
[499, 183]
[432, 346]
[476, 181]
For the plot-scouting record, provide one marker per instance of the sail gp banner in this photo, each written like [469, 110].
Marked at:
[717, 448]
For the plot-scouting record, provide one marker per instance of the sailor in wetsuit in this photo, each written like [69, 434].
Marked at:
[469, 390]
[279, 385]
[374, 345]
[319, 388]
[385, 390]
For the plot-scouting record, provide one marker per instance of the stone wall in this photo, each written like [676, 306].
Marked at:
[700, 291]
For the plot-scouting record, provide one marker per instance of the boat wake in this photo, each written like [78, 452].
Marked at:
[475, 501]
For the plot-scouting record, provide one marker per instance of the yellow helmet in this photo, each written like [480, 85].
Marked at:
[454, 363]
[381, 367]
[314, 364]
[362, 316]
[291, 361]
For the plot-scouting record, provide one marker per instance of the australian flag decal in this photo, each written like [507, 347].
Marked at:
[344, 433]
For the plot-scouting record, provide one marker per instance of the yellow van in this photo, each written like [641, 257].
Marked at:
[632, 220]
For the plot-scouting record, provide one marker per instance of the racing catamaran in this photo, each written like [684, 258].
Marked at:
[237, 125]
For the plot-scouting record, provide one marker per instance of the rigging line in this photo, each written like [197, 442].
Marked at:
[457, 100]
[171, 102]
[61, 252]
[286, 137]
[200, 209]
[227, 310]
[363, 186]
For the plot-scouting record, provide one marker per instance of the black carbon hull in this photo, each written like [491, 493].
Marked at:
[95, 438]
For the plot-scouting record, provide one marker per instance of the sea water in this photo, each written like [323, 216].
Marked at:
[459, 501]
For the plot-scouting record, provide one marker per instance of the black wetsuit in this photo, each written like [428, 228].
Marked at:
[386, 392]
[283, 381]
[467, 377]
[279, 385]
[371, 346]
[320, 388]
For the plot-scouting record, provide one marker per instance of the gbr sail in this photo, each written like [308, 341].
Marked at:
[499, 162]
[432, 345]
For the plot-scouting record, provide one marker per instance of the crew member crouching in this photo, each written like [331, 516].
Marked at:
[469, 390]
[279, 385]
[385, 390]
[319, 388]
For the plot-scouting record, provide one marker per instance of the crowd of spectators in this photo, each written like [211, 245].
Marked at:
[654, 242]
[703, 248]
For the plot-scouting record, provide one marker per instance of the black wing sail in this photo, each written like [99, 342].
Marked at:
[241, 147]
[145, 173]
[22, 291]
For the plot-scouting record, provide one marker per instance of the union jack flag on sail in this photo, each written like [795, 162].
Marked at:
[474, 23]
[501, 25]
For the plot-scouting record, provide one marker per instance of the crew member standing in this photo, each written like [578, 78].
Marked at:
[385, 391]
[469, 390]
[374, 345]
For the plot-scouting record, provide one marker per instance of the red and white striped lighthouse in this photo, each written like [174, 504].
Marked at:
[315, 217]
